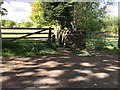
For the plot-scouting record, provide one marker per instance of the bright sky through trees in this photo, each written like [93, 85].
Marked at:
[20, 11]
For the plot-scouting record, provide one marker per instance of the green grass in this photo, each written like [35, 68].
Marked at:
[27, 48]
[102, 42]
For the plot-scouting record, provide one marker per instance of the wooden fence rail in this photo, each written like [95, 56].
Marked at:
[26, 33]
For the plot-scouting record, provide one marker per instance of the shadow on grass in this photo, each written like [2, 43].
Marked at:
[27, 48]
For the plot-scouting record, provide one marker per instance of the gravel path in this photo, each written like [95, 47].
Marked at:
[63, 69]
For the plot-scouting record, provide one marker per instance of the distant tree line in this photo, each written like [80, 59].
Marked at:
[13, 24]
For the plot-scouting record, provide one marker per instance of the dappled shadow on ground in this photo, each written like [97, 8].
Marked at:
[61, 70]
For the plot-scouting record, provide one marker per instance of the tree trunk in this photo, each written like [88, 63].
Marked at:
[84, 39]
[0, 44]
[49, 35]
[118, 36]
[62, 25]
[60, 34]
[118, 25]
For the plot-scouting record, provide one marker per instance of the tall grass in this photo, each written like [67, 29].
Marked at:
[27, 48]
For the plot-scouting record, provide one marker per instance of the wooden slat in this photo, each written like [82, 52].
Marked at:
[23, 33]
[27, 28]
[36, 37]
[22, 38]
[31, 34]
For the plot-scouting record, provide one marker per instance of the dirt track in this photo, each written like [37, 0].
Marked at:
[60, 70]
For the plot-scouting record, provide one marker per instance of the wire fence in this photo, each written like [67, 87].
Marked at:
[99, 40]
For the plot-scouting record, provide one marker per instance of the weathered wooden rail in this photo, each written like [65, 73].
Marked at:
[26, 33]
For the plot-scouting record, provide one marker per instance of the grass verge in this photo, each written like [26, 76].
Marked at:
[27, 48]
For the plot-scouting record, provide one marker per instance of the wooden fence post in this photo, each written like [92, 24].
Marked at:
[0, 44]
[60, 40]
[53, 38]
[49, 35]
[118, 35]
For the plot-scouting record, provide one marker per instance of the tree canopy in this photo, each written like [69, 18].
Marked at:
[26, 24]
[37, 14]
[89, 15]
[58, 11]
[9, 24]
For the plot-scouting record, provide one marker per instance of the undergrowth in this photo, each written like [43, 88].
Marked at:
[26, 48]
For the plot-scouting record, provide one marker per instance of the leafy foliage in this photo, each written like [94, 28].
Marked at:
[26, 24]
[37, 14]
[89, 16]
[9, 24]
[3, 11]
[2, 22]
[110, 24]
[59, 12]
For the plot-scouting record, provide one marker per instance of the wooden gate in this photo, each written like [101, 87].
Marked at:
[27, 33]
